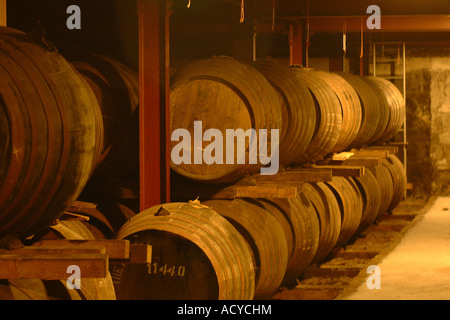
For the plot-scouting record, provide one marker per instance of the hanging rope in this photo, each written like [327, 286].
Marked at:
[344, 36]
[361, 54]
[273, 15]
[189, 4]
[307, 35]
[242, 12]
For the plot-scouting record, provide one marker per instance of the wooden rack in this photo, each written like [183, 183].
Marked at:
[49, 259]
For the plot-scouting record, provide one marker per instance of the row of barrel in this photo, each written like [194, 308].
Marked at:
[317, 113]
[247, 248]
[64, 121]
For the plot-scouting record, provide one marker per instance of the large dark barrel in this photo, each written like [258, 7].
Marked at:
[398, 174]
[197, 255]
[298, 110]
[371, 195]
[265, 237]
[223, 94]
[48, 134]
[116, 88]
[303, 231]
[396, 104]
[350, 204]
[375, 111]
[350, 109]
[386, 184]
[329, 217]
[328, 115]
[91, 288]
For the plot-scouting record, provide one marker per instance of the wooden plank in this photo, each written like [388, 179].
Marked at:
[362, 161]
[371, 153]
[342, 156]
[192, 191]
[51, 250]
[296, 176]
[390, 148]
[115, 249]
[52, 266]
[345, 170]
[403, 145]
[285, 192]
[140, 254]
[3, 16]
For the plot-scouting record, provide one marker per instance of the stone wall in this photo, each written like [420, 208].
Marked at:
[428, 120]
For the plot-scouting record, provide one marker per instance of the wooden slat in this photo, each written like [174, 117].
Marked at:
[285, 192]
[345, 170]
[52, 266]
[390, 149]
[3, 19]
[115, 249]
[372, 153]
[297, 176]
[362, 161]
[51, 250]
[342, 156]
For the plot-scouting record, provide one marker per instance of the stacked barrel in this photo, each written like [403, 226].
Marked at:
[63, 124]
[273, 240]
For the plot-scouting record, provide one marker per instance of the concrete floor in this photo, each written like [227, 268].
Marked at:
[418, 266]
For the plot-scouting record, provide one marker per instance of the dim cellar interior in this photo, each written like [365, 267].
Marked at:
[224, 150]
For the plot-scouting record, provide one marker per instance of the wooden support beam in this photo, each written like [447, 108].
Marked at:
[154, 92]
[344, 170]
[115, 249]
[371, 153]
[389, 23]
[252, 190]
[362, 161]
[390, 148]
[296, 176]
[52, 250]
[3, 15]
[262, 191]
[52, 266]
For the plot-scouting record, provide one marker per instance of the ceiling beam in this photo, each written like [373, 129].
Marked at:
[419, 23]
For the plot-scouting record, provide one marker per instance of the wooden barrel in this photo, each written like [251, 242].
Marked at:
[265, 237]
[91, 288]
[350, 109]
[303, 231]
[328, 115]
[351, 207]
[223, 94]
[371, 195]
[116, 88]
[32, 289]
[398, 174]
[117, 212]
[396, 108]
[297, 106]
[375, 111]
[386, 184]
[328, 213]
[51, 134]
[197, 255]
